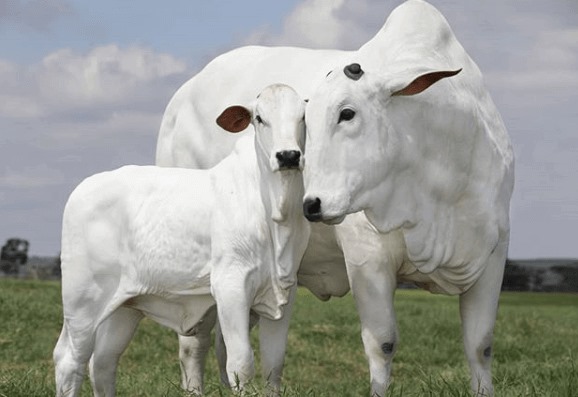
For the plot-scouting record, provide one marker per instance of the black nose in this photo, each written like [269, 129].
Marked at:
[312, 209]
[288, 159]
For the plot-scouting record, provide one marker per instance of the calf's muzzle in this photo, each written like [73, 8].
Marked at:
[288, 159]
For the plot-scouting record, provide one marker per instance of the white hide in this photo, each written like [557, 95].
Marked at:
[424, 154]
[170, 243]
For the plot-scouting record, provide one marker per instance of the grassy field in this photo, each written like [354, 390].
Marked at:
[536, 348]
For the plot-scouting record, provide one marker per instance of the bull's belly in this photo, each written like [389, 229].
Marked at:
[322, 270]
[184, 314]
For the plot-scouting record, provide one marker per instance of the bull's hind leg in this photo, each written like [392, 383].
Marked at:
[478, 309]
[112, 337]
[193, 352]
[221, 353]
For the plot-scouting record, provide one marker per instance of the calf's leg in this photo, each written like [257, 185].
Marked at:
[72, 352]
[233, 306]
[273, 343]
[112, 337]
[221, 350]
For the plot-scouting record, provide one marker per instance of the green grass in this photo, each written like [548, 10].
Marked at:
[536, 348]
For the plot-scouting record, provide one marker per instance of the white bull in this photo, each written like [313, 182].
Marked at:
[420, 147]
[171, 243]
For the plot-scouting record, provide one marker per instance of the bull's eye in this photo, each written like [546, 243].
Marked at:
[259, 119]
[346, 115]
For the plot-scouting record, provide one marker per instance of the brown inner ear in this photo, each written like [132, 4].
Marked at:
[424, 81]
[234, 119]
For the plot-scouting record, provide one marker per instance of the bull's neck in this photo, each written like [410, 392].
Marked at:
[440, 199]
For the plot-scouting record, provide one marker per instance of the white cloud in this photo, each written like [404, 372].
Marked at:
[106, 78]
[94, 106]
[326, 24]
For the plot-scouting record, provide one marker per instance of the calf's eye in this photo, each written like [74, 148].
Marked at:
[259, 119]
[346, 115]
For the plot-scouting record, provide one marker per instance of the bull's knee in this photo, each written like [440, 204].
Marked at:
[481, 354]
[388, 348]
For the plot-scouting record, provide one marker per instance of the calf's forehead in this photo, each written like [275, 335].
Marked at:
[280, 99]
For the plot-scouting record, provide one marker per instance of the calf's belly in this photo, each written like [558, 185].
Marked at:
[183, 314]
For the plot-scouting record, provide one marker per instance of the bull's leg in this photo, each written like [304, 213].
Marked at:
[193, 352]
[112, 337]
[233, 306]
[373, 289]
[273, 343]
[372, 261]
[72, 352]
[478, 309]
[221, 350]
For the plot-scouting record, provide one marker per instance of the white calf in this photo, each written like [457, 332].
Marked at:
[171, 243]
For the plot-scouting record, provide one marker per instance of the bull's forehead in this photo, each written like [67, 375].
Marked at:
[336, 91]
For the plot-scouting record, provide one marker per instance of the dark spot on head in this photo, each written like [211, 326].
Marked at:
[488, 352]
[387, 348]
[353, 71]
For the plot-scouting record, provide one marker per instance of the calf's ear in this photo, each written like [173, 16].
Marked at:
[423, 82]
[234, 119]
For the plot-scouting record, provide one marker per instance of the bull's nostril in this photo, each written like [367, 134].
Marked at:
[312, 209]
[288, 158]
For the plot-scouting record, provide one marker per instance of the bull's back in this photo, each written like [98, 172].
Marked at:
[189, 136]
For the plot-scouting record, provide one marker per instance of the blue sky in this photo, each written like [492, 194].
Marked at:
[83, 85]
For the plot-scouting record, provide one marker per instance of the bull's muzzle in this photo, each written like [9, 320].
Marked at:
[312, 209]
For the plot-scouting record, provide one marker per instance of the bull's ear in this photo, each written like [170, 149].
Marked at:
[424, 81]
[234, 119]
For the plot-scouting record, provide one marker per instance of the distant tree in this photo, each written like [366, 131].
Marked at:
[516, 278]
[570, 277]
[14, 254]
